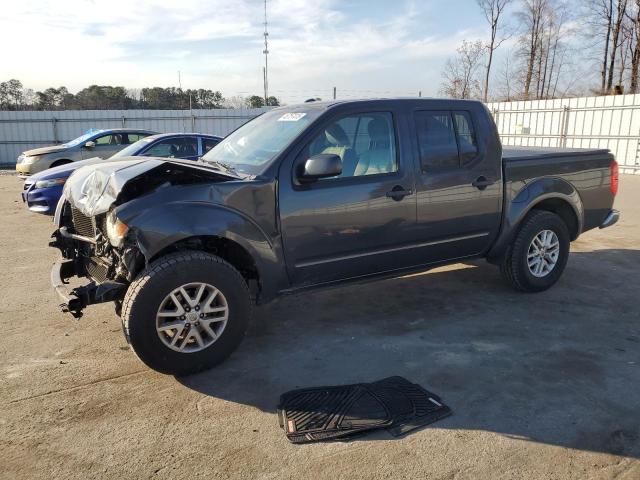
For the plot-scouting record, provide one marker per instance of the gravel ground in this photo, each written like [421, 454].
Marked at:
[542, 386]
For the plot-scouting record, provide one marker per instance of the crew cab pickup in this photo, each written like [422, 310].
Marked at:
[311, 196]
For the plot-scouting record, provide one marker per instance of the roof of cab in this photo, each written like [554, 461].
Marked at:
[179, 134]
[332, 103]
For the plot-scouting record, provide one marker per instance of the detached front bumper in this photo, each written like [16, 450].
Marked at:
[71, 302]
[611, 219]
[75, 300]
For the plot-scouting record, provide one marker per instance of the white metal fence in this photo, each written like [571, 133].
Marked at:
[588, 122]
[20, 131]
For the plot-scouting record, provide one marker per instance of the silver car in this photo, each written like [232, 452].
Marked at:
[97, 143]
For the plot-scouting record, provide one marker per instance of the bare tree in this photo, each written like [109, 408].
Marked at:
[532, 17]
[616, 29]
[236, 101]
[606, 13]
[610, 24]
[634, 46]
[505, 79]
[461, 73]
[492, 10]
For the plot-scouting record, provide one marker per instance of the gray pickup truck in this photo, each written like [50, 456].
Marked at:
[312, 196]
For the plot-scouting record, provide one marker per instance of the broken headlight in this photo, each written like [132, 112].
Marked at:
[116, 229]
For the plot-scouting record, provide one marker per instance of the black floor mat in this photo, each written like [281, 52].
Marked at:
[325, 413]
[412, 406]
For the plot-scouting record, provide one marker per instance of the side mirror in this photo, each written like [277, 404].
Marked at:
[319, 166]
[89, 144]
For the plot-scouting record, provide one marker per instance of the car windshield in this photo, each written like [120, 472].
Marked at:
[132, 149]
[250, 148]
[82, 139]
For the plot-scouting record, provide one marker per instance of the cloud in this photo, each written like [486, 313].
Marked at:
[218, 44]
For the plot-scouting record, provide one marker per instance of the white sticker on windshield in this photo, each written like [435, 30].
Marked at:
[291, 117]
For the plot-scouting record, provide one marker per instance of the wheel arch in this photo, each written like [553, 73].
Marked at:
[60, 161]
[551, 194]
[214, 229]
[229, 250]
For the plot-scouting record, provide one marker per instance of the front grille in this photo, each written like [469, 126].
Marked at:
[82, 224]
[97, 270]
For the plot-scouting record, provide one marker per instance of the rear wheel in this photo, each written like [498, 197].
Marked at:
[186, 312]
[539, 253]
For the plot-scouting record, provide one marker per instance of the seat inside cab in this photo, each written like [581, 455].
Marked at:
[364, 143]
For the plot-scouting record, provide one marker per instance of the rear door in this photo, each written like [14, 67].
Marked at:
[459, 186]
[358, 223]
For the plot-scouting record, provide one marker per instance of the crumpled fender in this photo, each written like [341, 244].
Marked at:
[157, 228]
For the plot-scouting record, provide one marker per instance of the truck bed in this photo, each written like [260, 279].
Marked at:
[514, 154]
[587, 170]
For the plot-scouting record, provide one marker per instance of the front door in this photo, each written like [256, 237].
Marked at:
[104, 146]
[359, 222]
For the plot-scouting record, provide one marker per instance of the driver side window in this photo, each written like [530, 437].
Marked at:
[365, 143]
[111, 139]
[103, 140]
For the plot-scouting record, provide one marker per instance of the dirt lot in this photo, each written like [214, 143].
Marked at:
[542, 386]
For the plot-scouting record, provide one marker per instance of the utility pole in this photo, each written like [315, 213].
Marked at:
[265, 70]
[184, 127]
[334, 93]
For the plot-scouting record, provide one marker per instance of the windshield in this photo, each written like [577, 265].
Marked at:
[82, 139]
[132, 149]
[250, 148]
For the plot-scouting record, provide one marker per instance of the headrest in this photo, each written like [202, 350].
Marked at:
[378, 129]
[336, 136]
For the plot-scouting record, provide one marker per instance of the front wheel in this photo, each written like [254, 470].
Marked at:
[539, 252]
[186, 312]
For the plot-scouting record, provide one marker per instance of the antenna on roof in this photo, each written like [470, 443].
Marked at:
[265, 69]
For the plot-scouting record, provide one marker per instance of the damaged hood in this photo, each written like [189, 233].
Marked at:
[44, 150]
[92, 189]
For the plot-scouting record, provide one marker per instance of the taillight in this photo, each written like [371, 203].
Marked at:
[614, 177]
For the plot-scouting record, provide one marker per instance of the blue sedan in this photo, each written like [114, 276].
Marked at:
[43, 190]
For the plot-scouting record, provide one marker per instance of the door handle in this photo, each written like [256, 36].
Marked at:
[481, 183]
[398, 193]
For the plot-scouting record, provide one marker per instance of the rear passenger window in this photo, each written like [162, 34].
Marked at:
[181, 147]
[466, 137]
[134, 137]
[208, 144]
[436, 140]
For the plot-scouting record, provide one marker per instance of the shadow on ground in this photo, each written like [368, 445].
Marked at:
[561, 367]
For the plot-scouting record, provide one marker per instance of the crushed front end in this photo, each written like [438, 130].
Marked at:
[88, 253]
[96, 245]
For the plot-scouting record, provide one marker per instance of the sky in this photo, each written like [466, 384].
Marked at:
[363, 48]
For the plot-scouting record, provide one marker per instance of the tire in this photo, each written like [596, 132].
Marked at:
[152, 290]
[515, 268]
